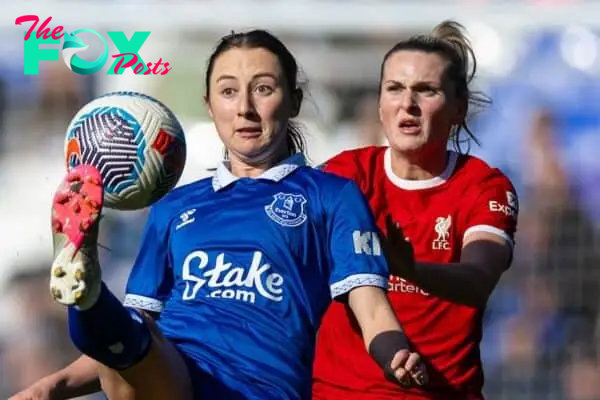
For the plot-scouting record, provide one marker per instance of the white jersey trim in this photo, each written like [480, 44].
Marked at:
[223, 176]
[488, 229]
[408, 184]
[143, 303]
[357, 280]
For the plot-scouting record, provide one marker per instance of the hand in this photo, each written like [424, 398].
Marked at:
[408, 368]
[398, 250]
[44, 389]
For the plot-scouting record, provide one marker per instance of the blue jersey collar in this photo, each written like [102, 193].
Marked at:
[223, 176]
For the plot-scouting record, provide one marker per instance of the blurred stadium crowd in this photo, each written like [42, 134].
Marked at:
[542, 336]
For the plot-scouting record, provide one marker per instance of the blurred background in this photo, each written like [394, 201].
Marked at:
[538, 60]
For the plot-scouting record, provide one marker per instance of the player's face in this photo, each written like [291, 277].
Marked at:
[250, 103]
[417, 106]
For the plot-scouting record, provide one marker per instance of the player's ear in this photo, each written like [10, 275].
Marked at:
[208, 108]
[297, 97]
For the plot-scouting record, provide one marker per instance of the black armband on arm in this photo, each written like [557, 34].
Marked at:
[384, 347]
[482, 254]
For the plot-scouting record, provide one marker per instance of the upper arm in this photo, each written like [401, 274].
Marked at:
[151, 278]
[492, 223]
[355, 254]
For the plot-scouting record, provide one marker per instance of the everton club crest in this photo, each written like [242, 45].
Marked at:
[287, 209]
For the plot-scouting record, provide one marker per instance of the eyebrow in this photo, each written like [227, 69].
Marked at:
[257, 76]
[415, 83]
[225, 77]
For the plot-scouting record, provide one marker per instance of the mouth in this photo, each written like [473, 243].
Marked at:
[410, 126]
[249, 132]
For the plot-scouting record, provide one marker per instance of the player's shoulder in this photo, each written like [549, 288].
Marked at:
[180, 197]
[324, 180]
[355, 162]
[325, 188]
[478, 174]
[359, 154]
[199, 186]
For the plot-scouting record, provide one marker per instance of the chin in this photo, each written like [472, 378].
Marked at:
[249, 146]
[250, 153]
[407, 144]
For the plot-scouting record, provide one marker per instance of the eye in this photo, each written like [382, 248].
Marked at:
[228, 92]
[395, 87]
[264, 89]
[428, 90]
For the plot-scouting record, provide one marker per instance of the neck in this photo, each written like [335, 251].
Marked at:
[252, 167]
[418, 166]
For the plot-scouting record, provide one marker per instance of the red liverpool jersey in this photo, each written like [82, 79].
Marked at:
[436, 215]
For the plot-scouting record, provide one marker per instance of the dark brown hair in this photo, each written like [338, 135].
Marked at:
[448, 40]
[255, 39]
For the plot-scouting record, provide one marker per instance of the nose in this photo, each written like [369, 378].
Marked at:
[408, 100]
[246, 105]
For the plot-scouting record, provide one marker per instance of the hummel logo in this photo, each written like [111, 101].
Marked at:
[186, 218]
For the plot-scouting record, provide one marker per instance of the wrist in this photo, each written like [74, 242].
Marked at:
[58, 381]
[406, 272]
[384, 347]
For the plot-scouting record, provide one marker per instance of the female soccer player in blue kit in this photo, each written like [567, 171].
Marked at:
[240, 267]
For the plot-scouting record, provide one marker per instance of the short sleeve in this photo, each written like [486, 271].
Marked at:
[356, 257]
[495, 209]
[151, 278]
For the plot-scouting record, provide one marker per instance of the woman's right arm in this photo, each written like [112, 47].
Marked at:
[79, 378]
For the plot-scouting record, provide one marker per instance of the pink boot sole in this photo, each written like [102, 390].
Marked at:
[75, 213]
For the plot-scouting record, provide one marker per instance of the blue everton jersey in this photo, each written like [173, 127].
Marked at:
[242, 271]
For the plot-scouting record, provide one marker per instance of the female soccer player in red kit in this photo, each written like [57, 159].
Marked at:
[449, 220]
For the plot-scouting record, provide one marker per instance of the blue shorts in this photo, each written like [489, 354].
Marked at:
[212, 381]
[209, 387]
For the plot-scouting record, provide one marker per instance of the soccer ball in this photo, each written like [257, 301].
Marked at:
[134, 141]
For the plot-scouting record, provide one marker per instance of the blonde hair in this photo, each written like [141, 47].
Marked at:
[449, 40]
